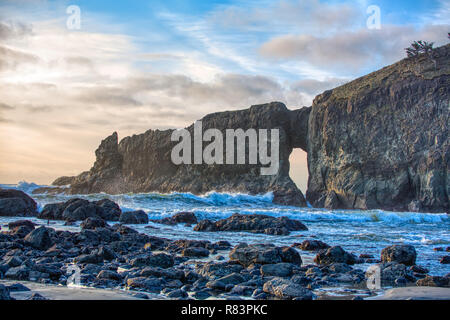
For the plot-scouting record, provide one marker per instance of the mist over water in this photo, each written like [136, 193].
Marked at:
[356, 231]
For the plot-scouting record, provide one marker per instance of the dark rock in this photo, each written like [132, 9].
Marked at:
[17, 287]
[4, 293]
[433, 281]
[20, 223]
[37, 296]
[109, 275]
[93, 223]
[15, 203]
[152, 285]
[290, 255]
[445, 260]
[253, 223]
[218, 269]
[80, 209]
[258, 253]
[388, 273]
[142, 163]
[312, 245]
[161, 260]
[39, 238]
[195, 252]
[372, 144]
[286, 289]
[134, 217]
[18, 273]
[181, 217]
[334, 255]
[282, 270]
[418, 269]
[404, 254]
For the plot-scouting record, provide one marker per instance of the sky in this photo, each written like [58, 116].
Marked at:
[138, 65]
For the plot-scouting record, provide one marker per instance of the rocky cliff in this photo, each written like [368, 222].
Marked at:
[382, 141]
[142, 163]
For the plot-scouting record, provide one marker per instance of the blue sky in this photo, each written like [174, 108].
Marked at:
[136, 65]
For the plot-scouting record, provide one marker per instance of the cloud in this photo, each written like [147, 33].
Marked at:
[14, 29]
[4, 106]
[10, 59]
[352, 49]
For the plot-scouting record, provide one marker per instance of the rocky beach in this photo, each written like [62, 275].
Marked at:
[121, 253]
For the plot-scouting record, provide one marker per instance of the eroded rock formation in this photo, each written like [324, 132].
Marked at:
[379, 142]
[382, 141]
[142, 163]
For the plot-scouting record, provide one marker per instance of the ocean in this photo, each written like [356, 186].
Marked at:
[356, 231]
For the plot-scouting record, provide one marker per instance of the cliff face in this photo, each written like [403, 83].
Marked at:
[142, 163]
[382, 141]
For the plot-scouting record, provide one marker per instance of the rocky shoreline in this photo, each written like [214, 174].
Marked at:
[112, 255]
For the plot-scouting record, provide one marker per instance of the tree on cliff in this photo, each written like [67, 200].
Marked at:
[419, 47]
[422, 47]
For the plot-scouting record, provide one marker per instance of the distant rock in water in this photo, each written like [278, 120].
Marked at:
[378, 142]
[81, 209]
[255, 223]
[142, 163]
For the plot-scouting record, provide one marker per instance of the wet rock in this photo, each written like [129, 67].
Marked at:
[282, 270]
[218, 269]
[445, 260]
[388, 273]
[134, 217]
[93, 223]
[258, 253]
[334, 255]
[286, 289]
[152, 285]
[290, 255]
[180, 217]
[17, 287]
[177, 294]
[109, 275]
[404, 254]
[15, 203]
[195, 252]
[4, 293]
[18, 273]
[433, 281]
[81, 209]
[37, 296]
[253, 223]
[418, 269]
[39, 238]
[161, 260]
[169, 273]
[312, 245]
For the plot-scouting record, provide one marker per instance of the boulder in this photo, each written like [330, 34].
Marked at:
[195, 252]
[286, 289]
[312, 245]
[4, 293]
[282, 270]
[334, 255]
[263, 254]
[180, 217]
[134, 217]
[445, 260]
[161, 260]
[15, 203]
[93, 223]
[255, 223]
[433, 281]
[389, 272]
[405, 254]
[39, 238]
[80, 209]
